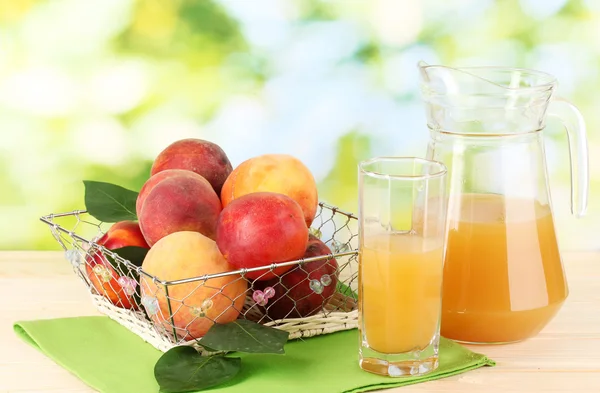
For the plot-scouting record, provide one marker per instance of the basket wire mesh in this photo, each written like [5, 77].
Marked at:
[178, 312]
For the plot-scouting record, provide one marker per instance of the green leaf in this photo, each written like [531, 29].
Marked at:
[133, 254]
[182, 369]
[207, 348]
[108, 202]
[245, 336]
[346, 290]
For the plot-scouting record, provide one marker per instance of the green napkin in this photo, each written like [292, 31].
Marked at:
[111, 359]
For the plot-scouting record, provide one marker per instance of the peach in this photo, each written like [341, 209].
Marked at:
[203, 157]
[196, 305]
[304, 290]
[279, 173]
[260, 229]
[182, 202]
[151, 182]
[103, 276]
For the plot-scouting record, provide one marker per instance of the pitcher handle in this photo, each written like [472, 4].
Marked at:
[574, 123]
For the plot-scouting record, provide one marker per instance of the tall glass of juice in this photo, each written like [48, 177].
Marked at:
[402, 217]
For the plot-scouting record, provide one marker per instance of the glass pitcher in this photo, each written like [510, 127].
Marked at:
[503, 275]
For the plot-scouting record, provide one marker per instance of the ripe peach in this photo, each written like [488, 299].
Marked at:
[279, 173]
[103, 276]
[260, 229]
[151, 182]
[203, 157]
[304, 290]
[182, 202]
[195, 305]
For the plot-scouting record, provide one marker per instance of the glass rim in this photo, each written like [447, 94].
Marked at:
[441, 168]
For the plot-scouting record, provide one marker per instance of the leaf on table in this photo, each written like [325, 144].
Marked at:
[108, 202]
[245, 336]
[207, 348]
[183, 369]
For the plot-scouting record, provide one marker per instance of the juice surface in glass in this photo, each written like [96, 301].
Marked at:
[401, 280]
[503, 276]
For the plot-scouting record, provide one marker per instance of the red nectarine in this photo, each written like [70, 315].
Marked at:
[260, 229]
[203, 157]
[304, 290]
[116, 287]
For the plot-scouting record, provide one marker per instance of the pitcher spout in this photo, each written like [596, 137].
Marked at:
[484, 80]
[485, 100]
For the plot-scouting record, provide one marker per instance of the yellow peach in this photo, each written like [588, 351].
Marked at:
[280, 173]
[190, 308]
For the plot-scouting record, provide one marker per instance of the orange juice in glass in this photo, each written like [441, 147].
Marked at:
[402, 226]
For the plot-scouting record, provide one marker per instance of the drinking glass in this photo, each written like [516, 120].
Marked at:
[402, 231]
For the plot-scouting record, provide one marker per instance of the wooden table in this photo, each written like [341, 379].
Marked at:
[565, 357]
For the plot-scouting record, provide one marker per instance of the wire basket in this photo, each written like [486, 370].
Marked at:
[170, 313]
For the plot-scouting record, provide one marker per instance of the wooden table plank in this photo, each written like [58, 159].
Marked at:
[565, 357]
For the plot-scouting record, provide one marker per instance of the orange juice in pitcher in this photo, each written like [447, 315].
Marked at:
[503, 275]
[504, 280]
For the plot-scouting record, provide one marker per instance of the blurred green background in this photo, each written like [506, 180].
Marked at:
[95, 89]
